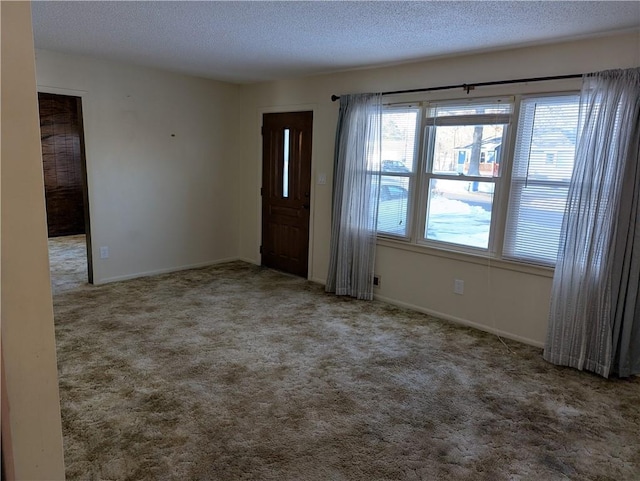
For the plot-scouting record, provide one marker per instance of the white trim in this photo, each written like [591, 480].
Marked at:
[168, 270]
[459, 320]
[47, 89]
[317, 280]
[255, 262]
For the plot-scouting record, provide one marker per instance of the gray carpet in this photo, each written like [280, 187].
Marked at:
[237, 372]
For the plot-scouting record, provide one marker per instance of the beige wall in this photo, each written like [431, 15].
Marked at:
[497, 297]
[161, 163]
[27, 319]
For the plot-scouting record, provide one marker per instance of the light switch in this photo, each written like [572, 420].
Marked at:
[322, 179]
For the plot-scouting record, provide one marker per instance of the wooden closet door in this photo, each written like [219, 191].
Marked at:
[61, 137]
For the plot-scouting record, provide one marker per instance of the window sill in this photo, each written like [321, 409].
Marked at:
[483, 260]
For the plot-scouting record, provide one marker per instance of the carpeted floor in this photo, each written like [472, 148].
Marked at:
[236, 372]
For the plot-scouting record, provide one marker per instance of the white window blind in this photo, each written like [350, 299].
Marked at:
[398, 158]
[494, 111]
[542, 167]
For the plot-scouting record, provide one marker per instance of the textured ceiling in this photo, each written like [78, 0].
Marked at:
[243, 42]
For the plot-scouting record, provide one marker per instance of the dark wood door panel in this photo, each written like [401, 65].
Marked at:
[286, 186]
[278, 253]
[60, 133]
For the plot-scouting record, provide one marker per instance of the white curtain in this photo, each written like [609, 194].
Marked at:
[356, 189]
[594, 321]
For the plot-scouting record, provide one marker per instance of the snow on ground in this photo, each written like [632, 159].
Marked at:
[457, 222]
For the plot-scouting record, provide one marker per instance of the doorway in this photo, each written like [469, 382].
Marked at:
[65, 170]
[286, 191]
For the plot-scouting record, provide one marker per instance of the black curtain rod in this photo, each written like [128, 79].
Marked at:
[469, 87]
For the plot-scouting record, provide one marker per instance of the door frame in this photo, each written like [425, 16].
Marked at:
[280, 109]
[83, 94]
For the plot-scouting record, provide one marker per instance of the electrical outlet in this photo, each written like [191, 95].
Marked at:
[458, 286]
[104, 252]
[376, 280]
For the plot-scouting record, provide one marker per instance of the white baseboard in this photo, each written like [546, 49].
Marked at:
[459, 320]
[165, 271]
[249, 261]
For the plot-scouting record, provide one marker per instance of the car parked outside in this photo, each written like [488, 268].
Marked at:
[392, 209]
[394, 166]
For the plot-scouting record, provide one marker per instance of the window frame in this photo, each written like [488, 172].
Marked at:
[419, 180]
[427, 174]
[531, 181]
[411, 175]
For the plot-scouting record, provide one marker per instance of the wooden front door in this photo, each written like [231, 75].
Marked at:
[63, 163]
[286, 190]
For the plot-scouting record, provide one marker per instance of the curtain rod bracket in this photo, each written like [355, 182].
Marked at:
[334, 98]
[468, 88]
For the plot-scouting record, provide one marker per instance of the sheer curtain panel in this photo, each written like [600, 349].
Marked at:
[355, 196]
[594, 321]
